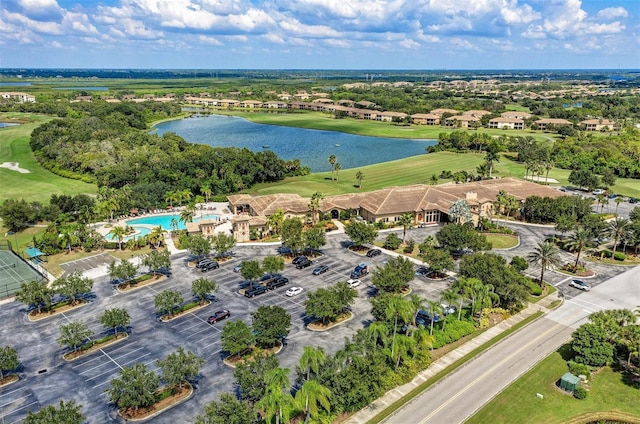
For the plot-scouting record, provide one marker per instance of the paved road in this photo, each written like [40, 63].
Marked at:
[459, 395]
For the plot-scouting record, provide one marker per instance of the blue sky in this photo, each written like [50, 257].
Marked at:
[320, 34]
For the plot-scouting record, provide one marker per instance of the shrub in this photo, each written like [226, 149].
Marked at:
[519, 264]
[606, 253]
[409, 247]
[111, 245]
[392, 242]
[580, 393]
[454, 330]
[619, 256]
[579, 369]
[534, 288]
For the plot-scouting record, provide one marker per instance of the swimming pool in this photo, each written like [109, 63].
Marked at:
[165, 221]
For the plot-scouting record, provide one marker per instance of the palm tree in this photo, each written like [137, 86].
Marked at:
[171, 196]
[547, 256]
[68, 236]
[486, 291]
[618, 229]
[312, 395]
[359, 177]
[187, 214]
[174, 224]
[418, 303]
[337, 167]
[491, 157]
[403, 346]
[618, 200]
[314, 205]
[423, 338]
[434, 309]
[398, 308]
[156, 236]
[578, 241]
[275, 220]
[206, 192]
[276, 403]
[406, 219]
[184, 195]
[378, 331]
[118, 232]
[311, 359]
[451, 296]
[332, 162]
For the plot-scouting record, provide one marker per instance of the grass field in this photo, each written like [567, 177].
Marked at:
[323, 121]
[519, 404]
[38, 184]
[502, 241]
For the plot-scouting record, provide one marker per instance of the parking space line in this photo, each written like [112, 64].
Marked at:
[12, 391]
[211, 344]
[135, 359]
[93, 368]
[128, 353]
[15, 400]
[563, 281]
[18, 409]
[112, 360]
[177, 325]
[198, 332]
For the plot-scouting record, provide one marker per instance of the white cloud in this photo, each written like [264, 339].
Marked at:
[612, 13]
[209, 40]
[273, 38]
[409, 44]
[337, 43]
[56, 44]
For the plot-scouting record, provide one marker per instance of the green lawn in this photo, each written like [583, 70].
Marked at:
[519, 403]
[502, 241]
[38, 184]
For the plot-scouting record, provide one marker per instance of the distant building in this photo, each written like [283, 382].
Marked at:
[18, 97]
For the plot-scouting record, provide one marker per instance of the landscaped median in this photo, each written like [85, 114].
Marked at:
[167, 398]
[141, 281]
[185, 309]
[94, 346]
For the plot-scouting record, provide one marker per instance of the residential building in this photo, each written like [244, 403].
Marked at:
[425, 118]
[18, 97]
[506, 123]
[516, 115]
[598, 124]
[460, 121]
[544, 123]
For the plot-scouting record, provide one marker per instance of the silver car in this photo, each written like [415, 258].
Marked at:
[580, 285]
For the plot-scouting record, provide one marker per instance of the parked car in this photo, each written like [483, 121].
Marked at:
[422, 271]
[360, 270]
[612, 196]
[633, 200]
[237, 268]
[448, 309]
[353, 282]
[294, 291]
[303, 264]
[284, 250]
[277, 282]
[598, 191]
[374, 252]
[255, 290]
[299, 259]
[424, 318]
[580, 285]
[203, 262]
[218, 316]
[209, 266]
[320, 270]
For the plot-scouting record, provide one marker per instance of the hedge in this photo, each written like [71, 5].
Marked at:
[454, 330]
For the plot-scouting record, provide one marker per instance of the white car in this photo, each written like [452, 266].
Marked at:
[294, 291]
[353, 282]
[598, 191]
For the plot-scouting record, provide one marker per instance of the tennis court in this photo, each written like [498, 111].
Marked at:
[13, 272]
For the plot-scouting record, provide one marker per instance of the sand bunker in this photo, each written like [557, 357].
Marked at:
[14, 167]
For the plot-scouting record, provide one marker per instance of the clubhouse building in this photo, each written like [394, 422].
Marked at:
[428, 204]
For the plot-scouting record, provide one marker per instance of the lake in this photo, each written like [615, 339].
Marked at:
[312, 147]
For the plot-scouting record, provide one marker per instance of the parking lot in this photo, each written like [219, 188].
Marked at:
[46, 378]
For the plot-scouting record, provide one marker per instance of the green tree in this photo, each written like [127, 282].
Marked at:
[338, 168]
[156, 236]
[332, 162]
[311, 396]
[179, 366]
[135, 388]
[157, 260]
[584, 178]
[546, 255]
[461, 236]
[167, 301]
[360, 232]
[492, 156]
[171, 197]
[291, 234]
[8, 360]
[115, 318]
[275, 220]
[406, 219]
[236, 338]
[359, 178]
[314, 206]
[74, 334]
[198, 245]
[228, 410]
[66, 413]
[579, 240]
[619, 229]
[73, 285]
[270, 325]
[311, 360]
[392, 242]
[203, 287]
[394, 276]
[591, 346]
[119, 233]
[124, 270]
[272, 264]
[398, 308]
[250, 270]
[314, 238]
[206, 192]
[451, 296]
[438, 260]
[223, 244]
[35, 294]
[327, 304]
[68, 237]
[251, 376]
[187, 214]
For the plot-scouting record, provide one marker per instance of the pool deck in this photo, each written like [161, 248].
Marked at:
[221, 209]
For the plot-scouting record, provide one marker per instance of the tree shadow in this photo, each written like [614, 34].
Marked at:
[566, 352]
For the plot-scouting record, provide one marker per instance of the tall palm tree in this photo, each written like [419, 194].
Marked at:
[312, 395]
[276, 404]
[618, 200]
[359, 177]
[378, 331]
[311, 359]
[398, 307]
[406, 219]
[184, 195]
[338, 168]
[156, 236]
[171, 196]
[434, 309]
[418, 303]
[187, 214]
[332, 162]
[118, 232]
[487, 291]
[68, 236]
[618, 229]
[450, 296]
[578, 241]
[423, 338]
[547, 256]
[314, 205]
[404, 346]
[206, 192]
[491, 157]
[275, 220]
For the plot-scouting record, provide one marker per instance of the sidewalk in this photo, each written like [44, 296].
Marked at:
[377, 406]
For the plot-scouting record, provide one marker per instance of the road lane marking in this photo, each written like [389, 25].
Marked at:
[489, 371]
[15, 400]
[562, 281]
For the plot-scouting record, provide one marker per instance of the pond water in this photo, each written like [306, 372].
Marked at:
[7, 124]
[312, 147]
[82, 88]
